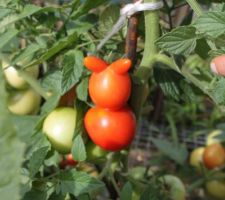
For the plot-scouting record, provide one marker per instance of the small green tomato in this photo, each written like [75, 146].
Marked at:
[24, 102]
[176, 187]
[13, 78]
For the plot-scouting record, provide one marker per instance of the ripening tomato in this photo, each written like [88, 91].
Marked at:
[111, 130]
[214, 156]
[59, 126]
[218, 65]
[196, 157]
[68, 98]
[68, 161]
[109, 86]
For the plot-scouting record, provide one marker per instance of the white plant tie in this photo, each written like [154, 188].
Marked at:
[125, 13]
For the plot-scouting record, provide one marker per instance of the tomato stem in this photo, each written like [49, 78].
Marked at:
[195, 6]
[150, 48]
[107, 166]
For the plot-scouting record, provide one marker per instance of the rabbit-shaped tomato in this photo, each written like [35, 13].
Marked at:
[109, 85]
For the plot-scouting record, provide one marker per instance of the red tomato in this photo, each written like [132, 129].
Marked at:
[111, 130]
[109, 87]
[68, 161]
[218, 65]
[214, 156]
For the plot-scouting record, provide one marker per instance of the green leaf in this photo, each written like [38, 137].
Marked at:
[78, 149]
[82, 89]
[211, 23]
[37, 159]
[7, 36]
[77, 183]
[52, 81]
[81, 109]
[72, 69]
[27, 11]
[108, 18]
[26, 54]
[35, 194]
[86, 7]
[126, 193]
[55, 196]
[177, 153]
[57, 47]
[181, 40]
[38, 141]
[4, 12]
[25, 126]
[218, 91]
[168, 80]
[84, 197]
[50, 104]
[11, 150]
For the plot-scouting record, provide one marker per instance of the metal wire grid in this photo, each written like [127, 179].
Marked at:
[142, 144]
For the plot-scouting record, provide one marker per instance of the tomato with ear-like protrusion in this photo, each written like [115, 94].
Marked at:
[112, 130]
[109, 87]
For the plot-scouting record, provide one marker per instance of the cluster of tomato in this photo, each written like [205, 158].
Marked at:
[23, 99]
[111, 123]
[211, 157]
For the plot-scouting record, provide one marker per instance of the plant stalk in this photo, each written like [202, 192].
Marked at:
[195, 6]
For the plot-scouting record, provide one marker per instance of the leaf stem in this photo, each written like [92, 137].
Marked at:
[107, 165]
[195, 6]
[114, 183]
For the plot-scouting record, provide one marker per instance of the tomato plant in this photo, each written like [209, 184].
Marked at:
[98, 102]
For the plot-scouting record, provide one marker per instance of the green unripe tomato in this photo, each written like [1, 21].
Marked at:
[216, 188]
[13, 78]
[95, 153]
[59, 127]
[175, 185]
[24, 102]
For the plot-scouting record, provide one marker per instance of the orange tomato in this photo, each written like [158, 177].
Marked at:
[111, 130]
[214, 156]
